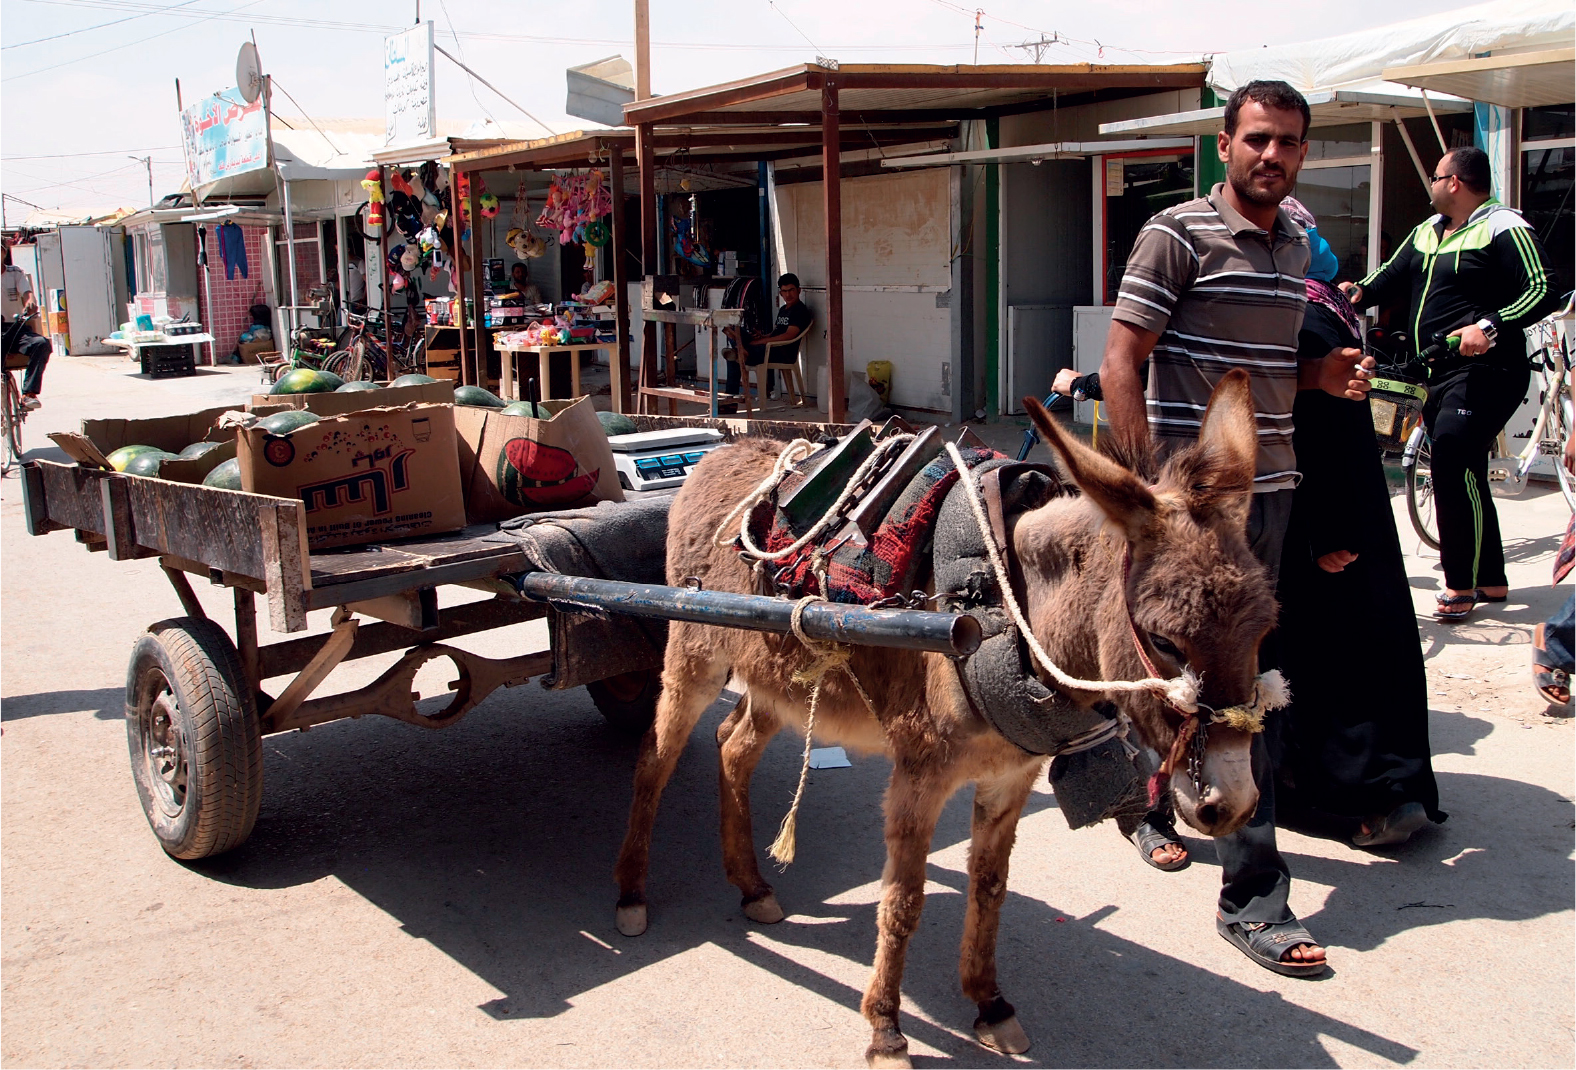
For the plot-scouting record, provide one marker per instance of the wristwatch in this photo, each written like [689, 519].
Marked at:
[1489, 329]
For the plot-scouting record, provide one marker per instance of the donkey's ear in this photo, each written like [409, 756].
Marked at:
[1218, 471]
[1125, 499]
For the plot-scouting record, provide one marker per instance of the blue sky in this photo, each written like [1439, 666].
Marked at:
[85, 83]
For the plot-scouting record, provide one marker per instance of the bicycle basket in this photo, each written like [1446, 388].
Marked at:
[1396, 403]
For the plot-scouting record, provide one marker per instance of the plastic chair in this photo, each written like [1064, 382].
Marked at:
[793, 377]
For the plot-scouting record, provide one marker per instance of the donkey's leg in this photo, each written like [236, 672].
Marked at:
[913, 803]
[998, 802]
[751, 729]
[692, 678]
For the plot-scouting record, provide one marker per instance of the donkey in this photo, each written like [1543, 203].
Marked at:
[1190, 591]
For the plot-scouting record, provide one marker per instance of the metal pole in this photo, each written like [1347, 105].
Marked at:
[955, 634]
[1438, 133]
[620, 363]
[1417, 161]
[456, 276]
[831, 182]
[646, 160]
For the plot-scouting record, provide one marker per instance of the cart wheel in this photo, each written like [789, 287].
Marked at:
[195, 738]
[628, 700]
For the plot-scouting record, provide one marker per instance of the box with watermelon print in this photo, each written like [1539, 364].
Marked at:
[511, 465]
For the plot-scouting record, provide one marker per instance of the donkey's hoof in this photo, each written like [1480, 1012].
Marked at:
[888, 1060]
[632, 919]
[1006, 1036]
[765, 910]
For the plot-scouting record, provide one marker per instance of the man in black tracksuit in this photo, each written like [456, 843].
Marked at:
[1478, 272]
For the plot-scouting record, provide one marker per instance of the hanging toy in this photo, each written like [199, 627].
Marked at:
[396, 281]
[488, 205]
[409, 259]
[399, 183]
[373, 184]
[597, 233]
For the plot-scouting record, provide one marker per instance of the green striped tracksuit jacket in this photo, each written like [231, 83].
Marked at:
[1493, 268]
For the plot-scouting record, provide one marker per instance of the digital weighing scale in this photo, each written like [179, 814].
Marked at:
[654, 460]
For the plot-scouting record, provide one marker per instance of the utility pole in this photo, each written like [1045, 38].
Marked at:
[978, 29]
[1039, 47]
[146, 161]
[642, 49]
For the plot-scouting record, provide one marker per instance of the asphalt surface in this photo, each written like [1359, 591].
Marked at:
[415, 898]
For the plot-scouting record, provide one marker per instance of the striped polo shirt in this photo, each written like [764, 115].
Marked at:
[1222, 294]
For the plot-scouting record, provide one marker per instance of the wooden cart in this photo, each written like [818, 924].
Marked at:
[196, 712]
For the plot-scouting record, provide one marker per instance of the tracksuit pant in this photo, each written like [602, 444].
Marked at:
[1466, 408]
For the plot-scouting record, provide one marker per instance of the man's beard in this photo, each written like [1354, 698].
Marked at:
[1241, 180]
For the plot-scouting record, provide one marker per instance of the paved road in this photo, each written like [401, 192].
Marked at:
[414, 898]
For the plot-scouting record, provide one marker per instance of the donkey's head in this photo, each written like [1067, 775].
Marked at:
[1196, 598]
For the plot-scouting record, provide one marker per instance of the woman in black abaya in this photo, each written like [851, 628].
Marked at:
[1356, 734]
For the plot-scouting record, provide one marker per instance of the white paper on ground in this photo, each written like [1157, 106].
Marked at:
[829, 758]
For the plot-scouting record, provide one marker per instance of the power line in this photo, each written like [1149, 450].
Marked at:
[99, 152]
[85, 29]
[126, 44]
[550, 131]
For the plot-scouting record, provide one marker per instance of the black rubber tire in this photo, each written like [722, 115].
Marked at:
[1420, 491]
[202, 798]
[629, 700]
[12, 416]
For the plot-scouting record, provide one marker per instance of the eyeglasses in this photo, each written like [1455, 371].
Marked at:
[1437, 178]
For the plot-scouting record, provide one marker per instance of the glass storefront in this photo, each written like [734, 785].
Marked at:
[1547, 176]
[1338, 199]
[1136, 187]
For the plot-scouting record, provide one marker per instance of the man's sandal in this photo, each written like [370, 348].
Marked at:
[1148, 839]
[1395, 827]
[1456, 607]
[1265, 942]
[1545, 677]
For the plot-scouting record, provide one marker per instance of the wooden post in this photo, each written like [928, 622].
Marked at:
[479, 313]
[619, 371]
[645, 159]
[458, 278]
[387, 295]
[831, 182]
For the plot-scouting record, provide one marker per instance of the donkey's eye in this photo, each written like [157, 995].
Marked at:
[1166, 647]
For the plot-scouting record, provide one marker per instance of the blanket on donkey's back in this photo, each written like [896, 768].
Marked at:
[897, 558]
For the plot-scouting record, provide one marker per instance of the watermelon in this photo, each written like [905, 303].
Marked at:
[226, 476]
[359, 384]
[147, 463]
[477, 397]
[121, 457]
[282, 423]
[413, 379]
[616, 423]
[306, 381]
[197, 449]
[526, 408]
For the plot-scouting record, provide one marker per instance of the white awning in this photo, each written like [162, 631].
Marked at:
[1056, 150]
[1525, 80]
[1330, 107]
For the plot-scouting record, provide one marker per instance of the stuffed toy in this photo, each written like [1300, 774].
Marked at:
[373, 184]
[399, 183]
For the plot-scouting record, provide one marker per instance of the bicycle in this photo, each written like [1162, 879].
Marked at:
[12, 412]
[364, 356]
[1507, 472]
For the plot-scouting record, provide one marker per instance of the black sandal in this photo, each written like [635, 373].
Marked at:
[1147, 838]
[1265, 942]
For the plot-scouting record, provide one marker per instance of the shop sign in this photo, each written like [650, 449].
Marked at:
[1115, 184]
[409, 113]
[223, 136]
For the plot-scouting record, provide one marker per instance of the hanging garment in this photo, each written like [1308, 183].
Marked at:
[232, 248]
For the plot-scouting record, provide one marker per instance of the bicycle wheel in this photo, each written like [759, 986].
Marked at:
[349, 365]
[12, 415]
[1417, 467]
[1559, 432]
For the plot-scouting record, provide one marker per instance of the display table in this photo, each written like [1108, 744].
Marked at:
[715, 320]
[507, 385]
[167, 358]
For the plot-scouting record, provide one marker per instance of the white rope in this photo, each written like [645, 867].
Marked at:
[798, 450]
[1181, 691]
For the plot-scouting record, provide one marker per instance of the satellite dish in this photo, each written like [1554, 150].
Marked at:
[248, 72]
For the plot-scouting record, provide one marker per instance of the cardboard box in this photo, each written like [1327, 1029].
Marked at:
[511, 465]
[99, 438]
[369, 476]
[333, 403]
[443, 363]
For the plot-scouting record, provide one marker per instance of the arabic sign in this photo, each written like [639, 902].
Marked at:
[409, 113]
[224, 136]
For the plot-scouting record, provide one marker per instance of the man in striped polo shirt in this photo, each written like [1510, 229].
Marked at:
[1211, 285]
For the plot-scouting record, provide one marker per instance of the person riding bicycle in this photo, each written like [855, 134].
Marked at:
[1476, 272]
[19, 301]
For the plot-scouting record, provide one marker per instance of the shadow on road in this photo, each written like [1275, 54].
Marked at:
[108, 704]
[494, 841]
